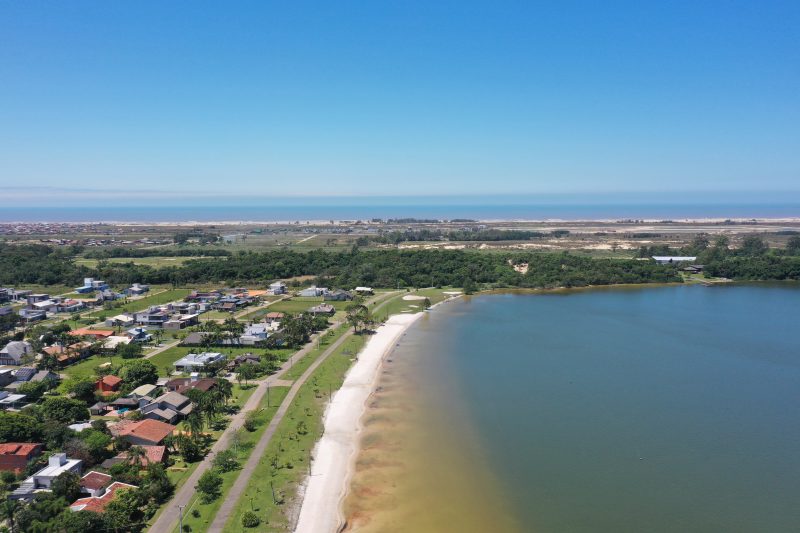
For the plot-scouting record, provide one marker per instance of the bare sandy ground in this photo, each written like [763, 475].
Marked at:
[336, 450]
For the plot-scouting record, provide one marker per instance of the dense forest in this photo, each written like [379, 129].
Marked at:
[37, 264]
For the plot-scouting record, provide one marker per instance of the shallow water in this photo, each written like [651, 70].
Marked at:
[655, 409]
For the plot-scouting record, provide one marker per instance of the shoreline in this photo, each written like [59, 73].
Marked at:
[336, 451]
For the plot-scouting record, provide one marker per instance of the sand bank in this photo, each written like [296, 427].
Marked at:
[335, 451]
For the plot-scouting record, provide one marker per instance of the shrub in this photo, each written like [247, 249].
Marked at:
[208, 485]
[250, 519]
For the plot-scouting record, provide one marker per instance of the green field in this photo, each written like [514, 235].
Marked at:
[206, 511]
[299, 304]
[397, 304]
[290, 450]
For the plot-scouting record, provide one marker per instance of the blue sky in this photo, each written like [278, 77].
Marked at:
[386, 98]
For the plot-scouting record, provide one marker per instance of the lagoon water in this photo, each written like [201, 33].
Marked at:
[613, 410]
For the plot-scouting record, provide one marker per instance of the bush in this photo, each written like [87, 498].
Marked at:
[209, 486]
[225, 461]
[250, 519]
[250, 421]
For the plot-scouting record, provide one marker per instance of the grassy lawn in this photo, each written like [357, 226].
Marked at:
[85, 369]
[287, 457]
[300, 304]
[397, 304]
[205, 512]
[320, 345]
[167, 357]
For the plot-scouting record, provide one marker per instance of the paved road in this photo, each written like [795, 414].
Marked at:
[225, 510]
[168, 520]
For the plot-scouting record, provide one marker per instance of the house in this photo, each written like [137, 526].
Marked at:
[364, 291]
[32, 315]
[142, 432]
[57, 464]
[273, 316]
[138, 334]
[15, 456]
[181, 385]
[152, 455]
[254, 334]
[48, 306]
[169, 407]
[278, 287]
[69, 306]
[6, 310]
[322, 309]
[124, 320]
[25, 373]
[152, 317]
[668, 259]
[9, 399]
[94, 483]
[195, 338]
[108, 385]
[96, 333]
[98, 504]
[6, 376]
[66, 355]
[111, 343]
[312, 291]
[143, 391]
[246, 359]
[107, 295]
[182, 321]
[31, 299]
[338, 295]
[137, 289]
[99, 409]
[13, 352]
[91, 285]
[193, 362]
[693, 269]
[19, 294]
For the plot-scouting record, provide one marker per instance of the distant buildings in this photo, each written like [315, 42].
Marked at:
[668, 259]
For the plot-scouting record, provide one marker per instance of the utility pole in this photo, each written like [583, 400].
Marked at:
[267, 395]
[180, 510]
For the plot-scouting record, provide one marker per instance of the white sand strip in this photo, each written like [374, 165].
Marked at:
[335, 452]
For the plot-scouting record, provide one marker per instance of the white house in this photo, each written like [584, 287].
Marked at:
[57, 464]
[197, 361]
[278, 287]
[667, 259]
[313, 291]
[364, 290]
[13, 352]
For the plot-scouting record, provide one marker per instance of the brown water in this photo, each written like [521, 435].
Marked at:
[420, 469]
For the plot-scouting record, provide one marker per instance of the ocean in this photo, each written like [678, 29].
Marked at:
[348, 209]
[614, 410]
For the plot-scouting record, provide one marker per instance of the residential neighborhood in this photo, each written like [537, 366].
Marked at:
[140, 382]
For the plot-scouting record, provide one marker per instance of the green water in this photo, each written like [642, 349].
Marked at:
[641, 410]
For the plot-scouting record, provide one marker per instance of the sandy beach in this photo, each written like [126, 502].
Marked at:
[335, 452]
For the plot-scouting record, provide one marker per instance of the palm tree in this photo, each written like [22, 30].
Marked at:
[195, 423]
[135, 455]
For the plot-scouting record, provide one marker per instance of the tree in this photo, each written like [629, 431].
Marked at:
[33, 389]
[156, 483]
[132, 350]
[469, 286]
[246, 372]
[250, 519]
[209, 486]
[18, 427]
[82, 389]
[68, 486]
[225, 461]
[753, 245]
[139, 372]
[357, 314]
[65, 410]
[793, 245]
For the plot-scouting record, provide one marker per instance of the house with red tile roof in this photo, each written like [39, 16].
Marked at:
[98, 504]
[15, 456]
[95, 483]
[96, 333]
[142, 432]
[152, 455]
[108, 385]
